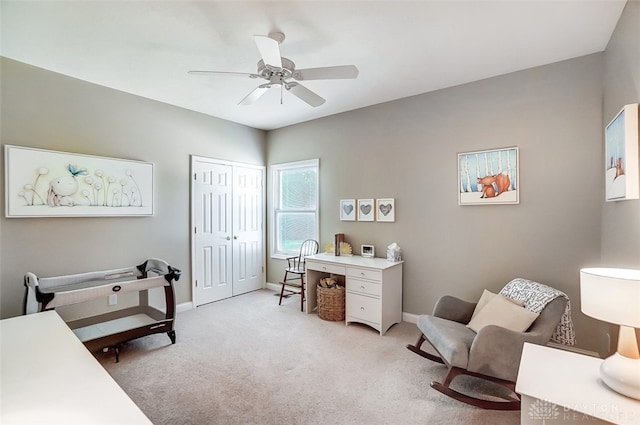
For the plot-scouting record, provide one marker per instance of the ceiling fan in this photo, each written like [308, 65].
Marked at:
[281, 72]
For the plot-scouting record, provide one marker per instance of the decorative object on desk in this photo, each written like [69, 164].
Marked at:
[338, 239]
[489, 177]
[329, 248]
[613, 295]
[367, 251]
[330, 299]
[43, 183]
[621, 155]
[345, 249]
[366, 211]
[347, 209]
[393, 252]
[386, 210]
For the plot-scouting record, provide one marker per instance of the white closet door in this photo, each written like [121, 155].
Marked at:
[212, 231]
[228, 235]
[248, 211]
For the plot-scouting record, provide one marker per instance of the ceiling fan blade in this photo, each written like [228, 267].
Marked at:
[326, 73]
[305, 94]
[269, 50]
[255, 94]
[233, 74]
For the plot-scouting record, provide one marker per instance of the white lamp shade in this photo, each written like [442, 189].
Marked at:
[611, 295]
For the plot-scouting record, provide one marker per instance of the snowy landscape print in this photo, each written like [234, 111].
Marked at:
[41, 183]
[621, 155]
[615, 161]
[488, 177]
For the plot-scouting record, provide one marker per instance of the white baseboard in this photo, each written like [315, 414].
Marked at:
[182, 307]
[410, 317]
[274, 286]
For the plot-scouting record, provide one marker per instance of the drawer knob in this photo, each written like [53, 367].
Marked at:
[361, 273]
[362, 308]
[362, 286]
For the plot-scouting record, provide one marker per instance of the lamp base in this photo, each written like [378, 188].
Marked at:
[622, 375]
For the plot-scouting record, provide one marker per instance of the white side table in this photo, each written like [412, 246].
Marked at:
[559, 386]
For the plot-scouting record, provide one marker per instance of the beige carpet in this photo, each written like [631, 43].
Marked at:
[247, 360]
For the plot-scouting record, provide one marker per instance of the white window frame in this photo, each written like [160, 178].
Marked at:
[276, 169]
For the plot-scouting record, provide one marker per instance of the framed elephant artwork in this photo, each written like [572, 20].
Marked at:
[43, 183]
[489, 177]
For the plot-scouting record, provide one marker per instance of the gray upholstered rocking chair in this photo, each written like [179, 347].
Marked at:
[493, 353]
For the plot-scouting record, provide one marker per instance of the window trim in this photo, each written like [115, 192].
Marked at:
[276, 169]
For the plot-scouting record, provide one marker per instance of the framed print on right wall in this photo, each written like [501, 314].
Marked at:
[621, 155]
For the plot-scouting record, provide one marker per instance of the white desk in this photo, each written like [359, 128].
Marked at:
[49, 377]
[373, 287]
[571, 385]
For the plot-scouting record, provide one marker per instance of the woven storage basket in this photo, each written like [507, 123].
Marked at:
[331, 303]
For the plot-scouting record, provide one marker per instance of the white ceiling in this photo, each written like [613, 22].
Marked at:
[401, 48]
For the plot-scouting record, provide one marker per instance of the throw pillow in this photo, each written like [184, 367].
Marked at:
[501, 312]
[488, 296]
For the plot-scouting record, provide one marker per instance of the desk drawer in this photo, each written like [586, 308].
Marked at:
[324, 267]
[364, 286]
[364, 308]
[364, 273]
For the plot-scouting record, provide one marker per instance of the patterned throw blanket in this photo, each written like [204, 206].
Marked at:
[535, 297]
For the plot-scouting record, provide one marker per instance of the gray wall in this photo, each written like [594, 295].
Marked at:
[46, 110]
[407, 149]
[620, 220]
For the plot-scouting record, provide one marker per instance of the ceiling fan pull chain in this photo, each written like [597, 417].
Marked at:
[281, 89]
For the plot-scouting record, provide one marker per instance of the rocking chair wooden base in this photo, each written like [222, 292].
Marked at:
[445, 388]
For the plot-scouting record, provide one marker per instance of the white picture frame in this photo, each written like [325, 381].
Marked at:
[347, 210]
[489, 177]
[366, 210]
[44, 183]
[621, 155]
[367, 251]
[386, 210]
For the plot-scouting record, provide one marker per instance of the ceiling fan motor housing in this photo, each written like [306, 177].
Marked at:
[268, 72]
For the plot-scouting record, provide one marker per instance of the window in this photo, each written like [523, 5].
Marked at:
[295, 205]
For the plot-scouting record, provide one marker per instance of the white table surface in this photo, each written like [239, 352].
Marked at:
[572, 381]
[49, 377]
[354, 260]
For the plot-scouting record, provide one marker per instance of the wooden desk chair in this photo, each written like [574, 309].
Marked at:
[296, 268]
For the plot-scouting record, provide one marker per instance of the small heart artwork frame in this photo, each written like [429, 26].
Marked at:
[366, 210]
[348, 210]
[386, 210]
